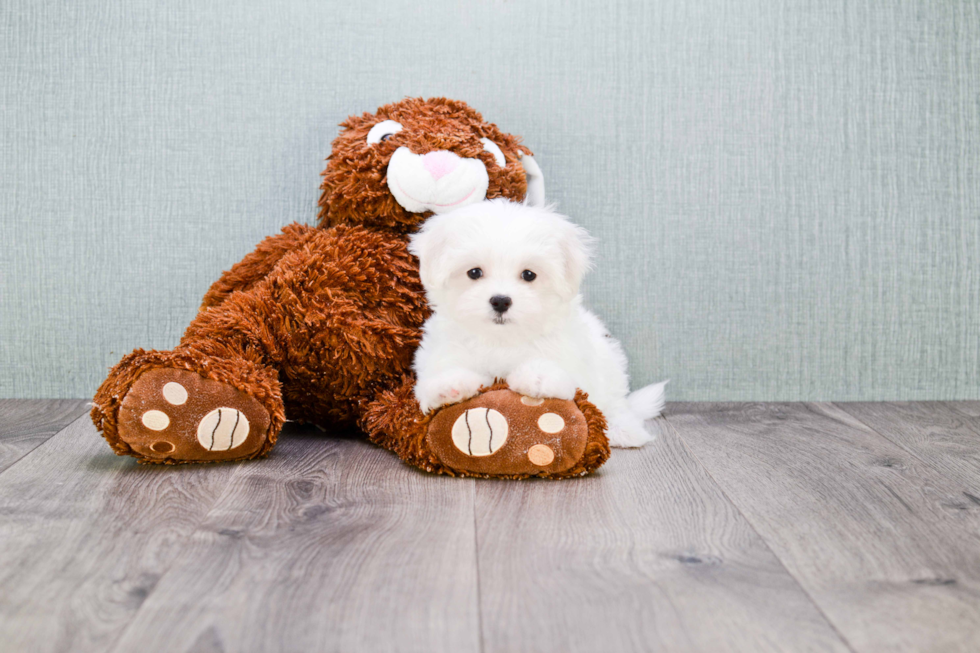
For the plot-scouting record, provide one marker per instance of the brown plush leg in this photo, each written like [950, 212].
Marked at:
[214, 398]
[318, 336]
[498, 434]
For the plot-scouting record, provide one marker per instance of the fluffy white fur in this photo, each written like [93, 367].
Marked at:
[546, 344]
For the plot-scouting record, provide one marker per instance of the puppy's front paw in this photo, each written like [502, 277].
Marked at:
[448, 387]
[542, 379]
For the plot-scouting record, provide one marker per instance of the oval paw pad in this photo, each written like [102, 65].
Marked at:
[222, 429]
[541, 455]
[480, 431]
[155, 420]
[551, 423]
[175, 393]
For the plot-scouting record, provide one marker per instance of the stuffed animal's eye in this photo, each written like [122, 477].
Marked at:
[527, 275]
[494, 149]
[383, 131]
[475, 273]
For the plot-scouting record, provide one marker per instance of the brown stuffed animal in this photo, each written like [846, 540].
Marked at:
[320, 323]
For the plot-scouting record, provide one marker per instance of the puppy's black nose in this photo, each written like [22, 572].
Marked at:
[500, 303]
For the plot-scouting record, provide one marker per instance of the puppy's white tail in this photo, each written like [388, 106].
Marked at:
[648, 402]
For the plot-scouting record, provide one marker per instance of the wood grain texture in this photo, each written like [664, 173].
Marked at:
[875, 536]
[968, 408]
[647, 555]
[942, 435]
[27, 423]
[85, 537]
[793, 527]
[330, 545]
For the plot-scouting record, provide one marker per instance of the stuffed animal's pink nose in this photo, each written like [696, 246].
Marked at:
[440, 163]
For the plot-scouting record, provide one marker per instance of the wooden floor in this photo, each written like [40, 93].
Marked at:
[744, 527]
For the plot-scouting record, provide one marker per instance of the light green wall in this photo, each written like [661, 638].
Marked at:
[787, 194]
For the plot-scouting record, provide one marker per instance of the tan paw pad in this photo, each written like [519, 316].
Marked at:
[551, 423]
[175, 393]
[222, 429]
[541, 455]
[155, 420]
[480, 431]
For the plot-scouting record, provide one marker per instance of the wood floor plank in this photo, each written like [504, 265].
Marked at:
[331, 545]
[86, 534]
[26, 423]
[968, 408]
[934, 432]
[873, 534]
[646, 555]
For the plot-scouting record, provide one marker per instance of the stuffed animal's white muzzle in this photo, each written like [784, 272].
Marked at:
[439, 181]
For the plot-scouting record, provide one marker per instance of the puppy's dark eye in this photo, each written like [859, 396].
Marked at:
[527, 275]
[475, 273]
[386, 137]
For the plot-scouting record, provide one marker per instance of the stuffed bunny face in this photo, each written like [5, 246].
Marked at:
[411, 159]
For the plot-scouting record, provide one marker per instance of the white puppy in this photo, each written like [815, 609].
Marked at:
[503, 282]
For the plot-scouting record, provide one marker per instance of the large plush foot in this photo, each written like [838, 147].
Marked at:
[174, 415]
[499, 433]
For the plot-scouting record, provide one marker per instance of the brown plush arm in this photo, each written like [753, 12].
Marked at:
[259, 263]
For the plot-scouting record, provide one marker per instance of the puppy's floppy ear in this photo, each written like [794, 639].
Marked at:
[576, 250]
[429, 245]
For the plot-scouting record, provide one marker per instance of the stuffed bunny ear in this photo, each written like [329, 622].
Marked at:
[535, 181]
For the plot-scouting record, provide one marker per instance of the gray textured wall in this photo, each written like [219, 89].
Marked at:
[787, 194]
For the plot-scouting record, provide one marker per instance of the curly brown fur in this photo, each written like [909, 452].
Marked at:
[354, 183]
[338, 317]
[320, 323]
[257, 264]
